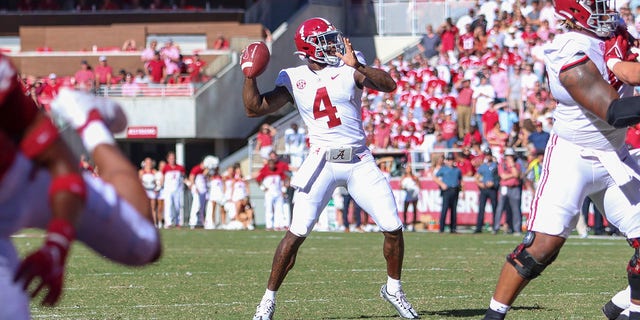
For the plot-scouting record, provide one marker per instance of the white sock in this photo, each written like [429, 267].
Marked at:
[634, 308]
[269, 295]
[94, 134]
[393, 285]
[498, 307]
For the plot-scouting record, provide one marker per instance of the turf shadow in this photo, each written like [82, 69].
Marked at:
[390, 315]
[465, 313]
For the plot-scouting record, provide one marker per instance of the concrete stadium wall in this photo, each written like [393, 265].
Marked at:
[174, 118]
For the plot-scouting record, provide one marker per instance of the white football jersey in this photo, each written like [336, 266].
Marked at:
[329, 103]
[572, 122]
[273, 184]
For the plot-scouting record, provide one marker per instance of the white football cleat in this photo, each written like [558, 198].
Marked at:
[399, 301]
[75, 107]
[265, 310]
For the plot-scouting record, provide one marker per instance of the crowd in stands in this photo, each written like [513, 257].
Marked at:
[105, 5]
[477, 83]
[158, 66]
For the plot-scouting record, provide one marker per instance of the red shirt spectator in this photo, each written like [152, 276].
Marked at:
[382, 135]
[465, 166]
[221, 43]
[497, 138]
[465, 94]
[274, 169]
[528, 34]
[84, 77]
[52, 86]
[156, 69]
[472, 137]
[196, 67]
[489, 119]
[103, 72]
[49, 91]
[448, 127]
[505, 168]
[448, 35]
[264, 140]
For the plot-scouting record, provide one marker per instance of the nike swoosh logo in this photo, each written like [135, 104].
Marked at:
[333, 78]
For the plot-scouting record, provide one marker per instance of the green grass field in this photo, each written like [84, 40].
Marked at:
[223, 274]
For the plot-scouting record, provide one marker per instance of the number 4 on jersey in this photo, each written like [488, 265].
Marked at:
[322, 107]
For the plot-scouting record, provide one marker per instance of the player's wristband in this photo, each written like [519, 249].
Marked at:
[60, 235]
[38, 139]
[61, 232]
[612, 62]
[72, 183]
[94, 132]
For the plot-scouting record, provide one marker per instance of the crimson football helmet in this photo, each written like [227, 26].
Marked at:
[597, 16]
[318, 40]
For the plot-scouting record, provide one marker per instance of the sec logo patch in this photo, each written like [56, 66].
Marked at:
[301, 84]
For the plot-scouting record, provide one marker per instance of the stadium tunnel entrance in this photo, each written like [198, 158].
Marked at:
[189, 152]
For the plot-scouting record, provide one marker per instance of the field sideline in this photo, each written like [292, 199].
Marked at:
[223, 274]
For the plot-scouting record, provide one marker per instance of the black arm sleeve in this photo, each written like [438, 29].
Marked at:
[624, 112]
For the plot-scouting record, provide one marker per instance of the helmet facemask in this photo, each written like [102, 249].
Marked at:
[326, 45]
[603, 20]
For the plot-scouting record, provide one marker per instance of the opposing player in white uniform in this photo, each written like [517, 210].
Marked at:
[586, 155]
[326, 92]
[41, 186]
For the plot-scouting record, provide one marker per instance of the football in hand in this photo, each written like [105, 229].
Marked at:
[254, 59]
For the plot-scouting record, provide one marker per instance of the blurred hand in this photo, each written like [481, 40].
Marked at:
[47, 264]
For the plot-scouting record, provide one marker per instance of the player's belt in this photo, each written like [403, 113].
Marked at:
[341, 154]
